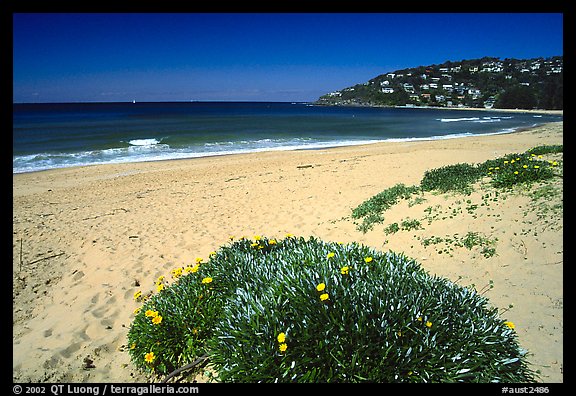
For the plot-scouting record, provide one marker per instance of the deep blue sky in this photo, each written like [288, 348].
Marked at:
[251, 57]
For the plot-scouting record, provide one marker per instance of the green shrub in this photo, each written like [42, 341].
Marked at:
[458, 177]
[515, 169]
[172, 326]
[384, 200]
[408, 225]
[297, 310]
[547, 149]
[371, 209]
[392, 229]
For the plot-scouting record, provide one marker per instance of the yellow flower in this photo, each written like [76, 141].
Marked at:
[137, 295]
[281, 337]
[257, 237]
[510, 325]
[159, 287]
[283, 347]
[505, 162]
[536, 167]
[555, 163]
[344, 270]
[133, 345]
[428, 324]
[330, 255]
[151, 314]
[324, 297]
[525, 166]
[419, 318]
[177, 272]
[272, 242]
[255, 244]
[189, 269]
[368, 259]
[207, 280]
[137, 310]
[515, 172]
[288, 235]
[212, 254]
[321, 287]
[157, 319]
[149, 357]
[160, 279]
[199, 260]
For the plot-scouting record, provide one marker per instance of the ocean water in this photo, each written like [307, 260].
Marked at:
[47, 136]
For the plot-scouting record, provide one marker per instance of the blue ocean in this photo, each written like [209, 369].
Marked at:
[47, 136]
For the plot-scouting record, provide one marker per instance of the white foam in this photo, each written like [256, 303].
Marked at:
[458, 119]
[143, 142]
[153, 151]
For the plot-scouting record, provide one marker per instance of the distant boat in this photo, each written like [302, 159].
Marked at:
[133, 101]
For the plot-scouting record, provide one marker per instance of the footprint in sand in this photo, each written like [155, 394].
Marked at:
[67, 352]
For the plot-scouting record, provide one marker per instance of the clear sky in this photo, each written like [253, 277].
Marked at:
[251, 57]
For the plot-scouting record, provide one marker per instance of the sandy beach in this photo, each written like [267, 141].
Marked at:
[85, 238]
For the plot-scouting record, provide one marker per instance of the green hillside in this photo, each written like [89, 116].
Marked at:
[480, 83]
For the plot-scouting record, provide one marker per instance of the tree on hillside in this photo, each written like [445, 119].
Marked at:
[517, 97]
[552, 96]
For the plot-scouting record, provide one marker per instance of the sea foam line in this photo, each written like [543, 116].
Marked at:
[144, 152]
[143, 142]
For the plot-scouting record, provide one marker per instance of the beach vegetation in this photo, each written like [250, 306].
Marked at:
[546, 149]
[307, 310]
[502, 173]
[392, 228]
[370, 211]
[457, 177]
[472, 240]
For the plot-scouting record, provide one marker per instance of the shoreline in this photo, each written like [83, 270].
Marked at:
[85, 239]
[327, 147]
[528, 111]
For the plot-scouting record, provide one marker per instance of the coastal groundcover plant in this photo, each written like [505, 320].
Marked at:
[502, 173]
[306, 310]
